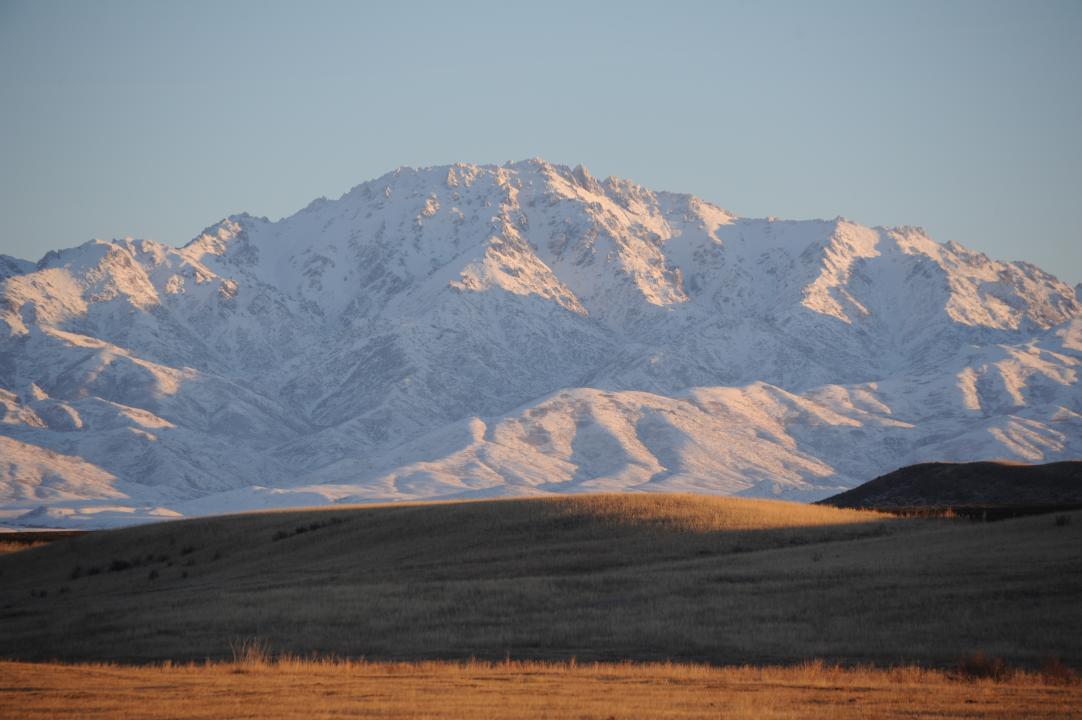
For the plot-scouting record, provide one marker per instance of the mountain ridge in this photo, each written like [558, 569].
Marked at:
[466, 330]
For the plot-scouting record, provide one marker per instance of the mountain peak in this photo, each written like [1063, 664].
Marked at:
[13, 266]
[464, 329]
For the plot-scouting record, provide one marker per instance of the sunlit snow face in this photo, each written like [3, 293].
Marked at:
[471, 330]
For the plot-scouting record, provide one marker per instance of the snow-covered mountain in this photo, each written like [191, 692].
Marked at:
[470, 331]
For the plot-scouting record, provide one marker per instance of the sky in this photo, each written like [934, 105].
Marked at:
[156, 119]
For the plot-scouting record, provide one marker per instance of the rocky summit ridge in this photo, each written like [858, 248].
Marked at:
[470, 331]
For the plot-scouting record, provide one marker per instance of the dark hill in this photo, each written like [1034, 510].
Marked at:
[970, 485]
[728, 581]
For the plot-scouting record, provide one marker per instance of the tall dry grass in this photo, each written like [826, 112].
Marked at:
[259, 686]
[648, 577]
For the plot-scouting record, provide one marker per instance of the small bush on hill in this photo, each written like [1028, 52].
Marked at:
[1055, 672]
[301, 529]
[978, 666]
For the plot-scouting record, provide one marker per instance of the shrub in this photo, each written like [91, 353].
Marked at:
[119, 565]
[1063, 520]
[978, 666]
[187, 550]
[152, 575]
[76, 572]
[318, 525]
[1055, 672]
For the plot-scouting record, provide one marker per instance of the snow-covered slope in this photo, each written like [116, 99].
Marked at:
[471, 331]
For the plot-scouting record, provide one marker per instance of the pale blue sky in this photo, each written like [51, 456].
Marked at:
[156, 119]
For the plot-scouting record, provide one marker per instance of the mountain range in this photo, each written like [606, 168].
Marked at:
[476, 331]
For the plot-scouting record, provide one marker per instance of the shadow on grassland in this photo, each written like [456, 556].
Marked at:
[643, 577]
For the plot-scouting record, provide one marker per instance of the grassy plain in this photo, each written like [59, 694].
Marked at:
[517, 690]
[641, 577]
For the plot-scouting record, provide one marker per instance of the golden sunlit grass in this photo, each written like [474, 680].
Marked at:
[699, 514]
[255, 687]
[10, 547]
[25, 540]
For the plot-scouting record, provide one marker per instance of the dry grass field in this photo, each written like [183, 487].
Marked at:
[714, 584]
[517, 691]
[643, 577]
[18, 541]
[10, 547]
